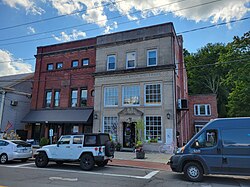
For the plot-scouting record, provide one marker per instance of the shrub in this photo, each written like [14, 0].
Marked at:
[44, 141]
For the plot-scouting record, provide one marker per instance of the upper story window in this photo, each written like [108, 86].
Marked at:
[202, 110]
[111, 96]
[111, 62]
[131, 95]
[84, 95]
[50, 67]
[152, 57]
[130, 60]
[59, 65]
[48, 96]
[152, 94]
[56, 98]
[74, 94]
[74, 63]
[85, 62]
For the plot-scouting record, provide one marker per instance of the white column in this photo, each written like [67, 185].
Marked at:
[1, 108]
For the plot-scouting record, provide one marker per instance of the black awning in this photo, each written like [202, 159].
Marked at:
[59, 116]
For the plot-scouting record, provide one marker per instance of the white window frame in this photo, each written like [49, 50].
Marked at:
[152, 104]
[108, 62]
[123, 94]
[145, 130]
[109, 87]
[156, 57]
[206, 111]
[132, 52]
[103, 127]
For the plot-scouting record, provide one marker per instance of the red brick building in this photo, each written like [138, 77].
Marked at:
[63, 89]
[202, 108]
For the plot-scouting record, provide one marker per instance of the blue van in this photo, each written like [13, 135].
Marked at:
[221, 147]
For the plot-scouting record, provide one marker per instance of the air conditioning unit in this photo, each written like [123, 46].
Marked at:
[182, 104]
[13, 103]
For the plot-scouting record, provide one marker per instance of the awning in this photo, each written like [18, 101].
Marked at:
[59, 116]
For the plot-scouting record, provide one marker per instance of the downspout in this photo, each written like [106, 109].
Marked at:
[2, 107]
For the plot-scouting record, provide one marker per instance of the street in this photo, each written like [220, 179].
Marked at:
[16, 174]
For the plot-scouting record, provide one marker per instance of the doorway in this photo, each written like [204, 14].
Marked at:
[128, 135]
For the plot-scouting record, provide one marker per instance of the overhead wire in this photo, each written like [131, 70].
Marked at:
[121, 23]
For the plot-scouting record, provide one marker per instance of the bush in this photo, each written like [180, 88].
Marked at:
[44, 141]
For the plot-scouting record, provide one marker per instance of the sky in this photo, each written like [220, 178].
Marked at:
[27, 24]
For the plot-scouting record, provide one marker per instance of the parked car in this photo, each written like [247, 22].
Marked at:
[221, 147]
[89, 149]
[14, 150]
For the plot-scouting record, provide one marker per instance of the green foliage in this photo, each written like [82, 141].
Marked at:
[44, 141]
[223, 70]
[155, 140]
[139, 130]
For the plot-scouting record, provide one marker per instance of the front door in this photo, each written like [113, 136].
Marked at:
[128, 135]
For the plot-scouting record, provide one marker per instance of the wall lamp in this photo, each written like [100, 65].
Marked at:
[95, 116]
[168, 115]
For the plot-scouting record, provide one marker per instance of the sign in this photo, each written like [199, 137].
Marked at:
[51, 132]
[169, 136]
[75, 129]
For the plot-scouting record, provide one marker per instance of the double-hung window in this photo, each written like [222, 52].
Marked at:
[84, 95]
[74, 63]
[85, 62]
[131, 95]
[152, 57]
[153, 128]
[59, 65]
[111, 96]
[48, 96]
[110, 126]
[50, 67]
[56, 98]
[74, 94]
[111, 62]
[130, 60]
[152, 94]
[202, 110]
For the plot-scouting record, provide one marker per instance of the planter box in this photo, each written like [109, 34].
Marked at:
[140, 154]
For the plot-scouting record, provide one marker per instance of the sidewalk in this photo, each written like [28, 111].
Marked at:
[153, 160]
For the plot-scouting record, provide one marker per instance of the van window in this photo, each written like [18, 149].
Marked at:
[236, 137]
[207, 139]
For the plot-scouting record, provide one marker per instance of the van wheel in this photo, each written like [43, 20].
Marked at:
[41, 160]
[87, 162]
[102, 163]
[3, 158]
[193, 172]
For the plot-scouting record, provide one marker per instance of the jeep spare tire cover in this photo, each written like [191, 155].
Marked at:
[109, 149]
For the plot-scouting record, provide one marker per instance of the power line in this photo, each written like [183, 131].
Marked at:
[80, 25]
[75, 76]
[55, 17]
[194, 6]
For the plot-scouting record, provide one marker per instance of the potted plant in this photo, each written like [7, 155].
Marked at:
[118, 146]
[140, 153]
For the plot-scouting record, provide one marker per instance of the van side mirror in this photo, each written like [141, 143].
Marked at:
[197, 144]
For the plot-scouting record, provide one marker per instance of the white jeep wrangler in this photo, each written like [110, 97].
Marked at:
[89, 149]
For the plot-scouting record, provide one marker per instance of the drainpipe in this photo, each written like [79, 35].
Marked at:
[1, 108]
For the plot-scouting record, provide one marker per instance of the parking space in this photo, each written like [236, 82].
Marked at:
[113, 171]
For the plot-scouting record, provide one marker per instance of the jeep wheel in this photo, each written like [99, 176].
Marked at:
[3, 159]
[109, 149]
[102, 163]
[87, 162]
[41, 160]
[193, 172]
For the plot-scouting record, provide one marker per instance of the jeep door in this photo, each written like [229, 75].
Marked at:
[236, 151]
[62, 150]
[208, 147]
[76, 148]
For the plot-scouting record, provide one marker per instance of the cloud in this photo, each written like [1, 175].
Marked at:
[111, 27]
[95, 11]
[28, 5]
[9, 65]
[31, 30]
[68, 37]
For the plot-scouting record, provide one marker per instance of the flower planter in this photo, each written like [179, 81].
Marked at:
[140, 154]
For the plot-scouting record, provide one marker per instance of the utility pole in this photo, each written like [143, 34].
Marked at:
[1, 107]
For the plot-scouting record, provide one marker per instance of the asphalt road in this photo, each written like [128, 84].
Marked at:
[16, 174]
